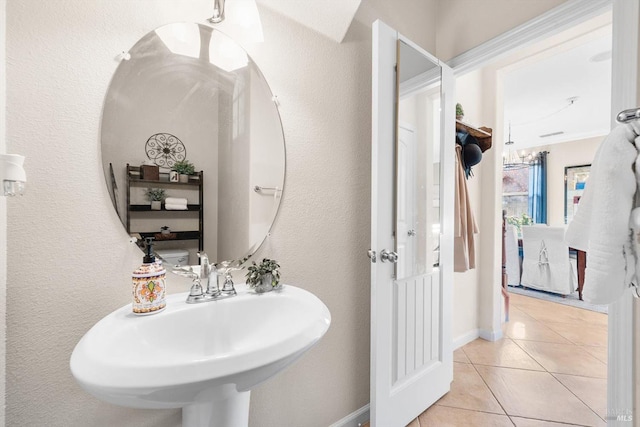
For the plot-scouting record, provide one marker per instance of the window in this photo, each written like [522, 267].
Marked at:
[515, 191]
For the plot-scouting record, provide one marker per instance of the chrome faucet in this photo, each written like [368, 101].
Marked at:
[208, 273]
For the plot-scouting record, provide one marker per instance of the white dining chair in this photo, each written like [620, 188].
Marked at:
[513, 256]
[546, 265]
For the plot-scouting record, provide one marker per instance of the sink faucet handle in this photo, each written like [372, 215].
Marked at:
[196, 291]
[228, 288]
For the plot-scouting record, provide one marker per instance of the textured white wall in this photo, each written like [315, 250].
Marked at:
[465, 310]
[323, 230]
[63, 232]
[3, 215]
[70, 261]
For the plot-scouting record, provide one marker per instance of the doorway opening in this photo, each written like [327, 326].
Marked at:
[624, 66]
[552, 110]
[554, 104]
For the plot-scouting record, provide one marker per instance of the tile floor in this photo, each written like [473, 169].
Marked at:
[549, 370]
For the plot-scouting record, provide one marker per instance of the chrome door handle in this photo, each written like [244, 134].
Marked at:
[388, 256]
[411, 233]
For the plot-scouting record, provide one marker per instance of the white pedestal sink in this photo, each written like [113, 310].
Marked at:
[204, 358]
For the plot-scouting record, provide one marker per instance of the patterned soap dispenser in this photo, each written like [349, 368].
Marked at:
[149, 284]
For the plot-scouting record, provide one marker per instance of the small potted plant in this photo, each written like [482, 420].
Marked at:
[265, 276]
[459, 112]
[184, 168]
[518, 222]
[156, 196]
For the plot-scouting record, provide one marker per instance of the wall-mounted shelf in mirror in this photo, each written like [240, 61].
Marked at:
[141, 216]
[482, 134]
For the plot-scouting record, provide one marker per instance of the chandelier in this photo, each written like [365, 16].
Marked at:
[514, 160]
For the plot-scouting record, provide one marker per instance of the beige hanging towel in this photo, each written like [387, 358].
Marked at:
[464, 253]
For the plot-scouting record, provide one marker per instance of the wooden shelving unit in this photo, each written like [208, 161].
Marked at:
[134, 180]
[482, 134]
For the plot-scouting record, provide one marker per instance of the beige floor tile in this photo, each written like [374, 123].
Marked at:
[518, 314]
[531, 330]
[592, 391]
[588, 316]
[504, 353]
[468, 391]
[599, 352]
[566, 310]
[559, 313]
[459, 356]
[564, 358]
[441, 416]
[581, 334]
[538, 395]
[528, 422]
[555, 313]
[524, 301]
[530, 304]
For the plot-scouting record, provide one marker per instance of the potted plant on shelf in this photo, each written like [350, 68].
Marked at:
[156, 196]
[459, 111]
[184, 168]
[265, 276]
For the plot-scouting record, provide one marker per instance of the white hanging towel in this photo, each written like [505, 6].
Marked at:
[601, 226]
[512, 255]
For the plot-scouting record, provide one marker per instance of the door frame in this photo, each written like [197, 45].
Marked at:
[620, 375]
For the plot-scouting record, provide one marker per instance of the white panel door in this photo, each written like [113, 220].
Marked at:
[411, 343]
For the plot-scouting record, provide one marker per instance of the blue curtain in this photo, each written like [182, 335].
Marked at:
[538, 189]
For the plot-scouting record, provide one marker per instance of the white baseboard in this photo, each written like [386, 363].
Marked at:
[466, 338]
[488, 335]
[354, 419]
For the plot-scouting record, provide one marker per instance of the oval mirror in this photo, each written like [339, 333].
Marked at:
[186, 92]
